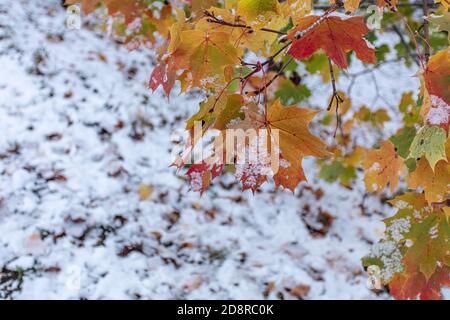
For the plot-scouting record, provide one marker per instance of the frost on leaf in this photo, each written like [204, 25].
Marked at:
[414, 256]
[439, 113]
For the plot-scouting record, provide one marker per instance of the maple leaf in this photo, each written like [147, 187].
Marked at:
[429, 141]
[198, 5]
[442, 21]
[390, 3]
[251, 175]
[435, 183]
[414, 285]
[201, 174]
[426, 260]
[349, 5]
[444, 3]
[437, 73]
[294, 139]
[290, 174]
[403, 140]
[253, 38]
[175, 31]
[130, 9]
[257, 9]
[295, 8]
[218, 111]
[336, 36]
[205, 54]
[165, 73]
[383, 166]
[413, 257]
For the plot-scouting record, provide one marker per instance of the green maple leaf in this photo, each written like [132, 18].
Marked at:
[442, 22]
[430, 244]
[429, 141]
[403, 140]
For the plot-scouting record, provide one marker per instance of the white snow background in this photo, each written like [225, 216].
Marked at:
[80, 132]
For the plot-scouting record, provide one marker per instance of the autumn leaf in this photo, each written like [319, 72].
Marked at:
[435, 183]
[218, 112]
[427, 260]
[294, 142]
[444, 3]
[349, 5]
[376, 118]
[437, 79]
[255, 9]
[175, 31]
[201, 174]
[429, 141]
[414, 285]
[403, 140]
[336, 36]
[382, 167]
[442, 21]
[389, 3]
[413, 257]
[130, 9]
[164, 74]
[198, 5]
[205, 54]
[295, 9]
[145, 191]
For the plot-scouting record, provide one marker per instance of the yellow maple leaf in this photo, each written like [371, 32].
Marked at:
[383, 166]
[205, 54]
[435, 184]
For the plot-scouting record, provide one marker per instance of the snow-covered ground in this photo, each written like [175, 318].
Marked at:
[80, 134]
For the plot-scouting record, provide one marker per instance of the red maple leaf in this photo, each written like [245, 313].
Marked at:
[336, 36]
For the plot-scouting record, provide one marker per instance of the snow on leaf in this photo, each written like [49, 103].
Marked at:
[205, 54]
[200, 175]
[382, 167]
[439, 113]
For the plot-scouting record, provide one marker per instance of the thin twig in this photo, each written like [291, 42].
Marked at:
[213, 19]
[258, 91]
[335, 98]
[405, 44]
[426, 31]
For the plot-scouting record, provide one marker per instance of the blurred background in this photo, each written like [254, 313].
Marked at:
[89, 207]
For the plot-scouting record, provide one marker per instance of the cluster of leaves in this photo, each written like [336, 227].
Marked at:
[249, 58]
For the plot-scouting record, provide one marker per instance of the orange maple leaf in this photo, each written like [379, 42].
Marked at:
[383, 166]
